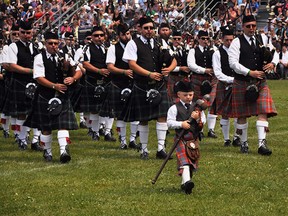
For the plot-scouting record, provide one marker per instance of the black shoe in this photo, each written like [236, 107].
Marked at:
[263, 149]
[16, 138]
[211, 134]
[144, 156]
[5, 134]
[82, 125]
[95, 136]
[36, 147]
[162, 155]
[201, 135]
[244, 148]
[102, 132]
[22, 145]
[187, 187]
[65, 156]
[109, 138]
[236, 142]
[90, 132]
[123, 146]
[47, 157]
[133, 145]
[227, 143]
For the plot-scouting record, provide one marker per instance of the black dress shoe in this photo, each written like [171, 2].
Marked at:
[211, 134]
[123, 146]
[187, 187]
[22, 145]
[227, 143]
[82, 125]
[263, 149]
[47, 157]
[244, 148]
[90, 132]
[102, 132]
[133, 145]
[95, 136]
[236, 141]
[162, 155]
[65, 156]
[36, 147]
[144, 156]
[5, 134]
[109, 138]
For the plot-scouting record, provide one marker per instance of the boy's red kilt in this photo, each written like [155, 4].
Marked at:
[182, 157]
[242, 108]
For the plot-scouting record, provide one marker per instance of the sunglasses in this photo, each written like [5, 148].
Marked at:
[249, 26]
[25, 32]
[177, 38]
[53, 43]
[14, 34]
[204, 38]
[98, 35]
[88, 38]
[148, 27]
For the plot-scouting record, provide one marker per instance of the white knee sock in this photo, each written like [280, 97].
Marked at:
[225, 126]
[46, 142]
[143, 136]
[87, 119]
[235, 127]
[108, 125]
[211, 121]
[261, 125]
[203, 117]
[62, 136]
[133, 130]
[161, 130]
[23, 130]
[36, 134]
[5, 120]
[95, 122]
[122, 130]
[244, 128]
[81, 116]
[186, 174]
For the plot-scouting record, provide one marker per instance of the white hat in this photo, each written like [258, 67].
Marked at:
[30, 7]
[105, 14]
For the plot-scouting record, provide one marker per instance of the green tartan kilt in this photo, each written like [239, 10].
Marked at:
[89, 103]
[16, 102]
[113, 105]
[139, 109]
[40, 117]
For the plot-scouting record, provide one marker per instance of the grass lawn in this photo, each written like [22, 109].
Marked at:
[103, 180]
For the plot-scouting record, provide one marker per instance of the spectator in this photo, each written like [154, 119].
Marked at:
[38, 12]
[283, 63]
[106, 21]
[65, 28]
[30, 14]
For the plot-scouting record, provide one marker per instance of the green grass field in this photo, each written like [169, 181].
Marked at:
[103, 180]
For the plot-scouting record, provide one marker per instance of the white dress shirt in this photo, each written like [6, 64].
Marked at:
[191, 61]
[171, 117]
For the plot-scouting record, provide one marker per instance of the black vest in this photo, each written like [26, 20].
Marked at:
[147, 59]
[53, 73]
[181, 60]
[203, 59]
[249, 58]
[65, 50]
[184, 114]
[225, 62]
[24, 59]
[97, 59]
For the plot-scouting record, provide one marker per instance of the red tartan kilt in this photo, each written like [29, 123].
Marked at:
[172, 79]
[223, 99]
[243, 108]
[197, 80]
[182, 158]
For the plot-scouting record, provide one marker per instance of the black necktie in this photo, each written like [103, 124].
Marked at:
[252, 43]
[28, 47]
[53, 56]
[149, 44]
[187, 105]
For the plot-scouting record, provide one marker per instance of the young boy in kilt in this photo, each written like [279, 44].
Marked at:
[185, 116]
[53, 82]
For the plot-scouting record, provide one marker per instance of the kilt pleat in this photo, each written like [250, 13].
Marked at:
[223, 99]
[16, 102]
[2, 93]
[138, 108]
[242, 108]
[40, 118]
